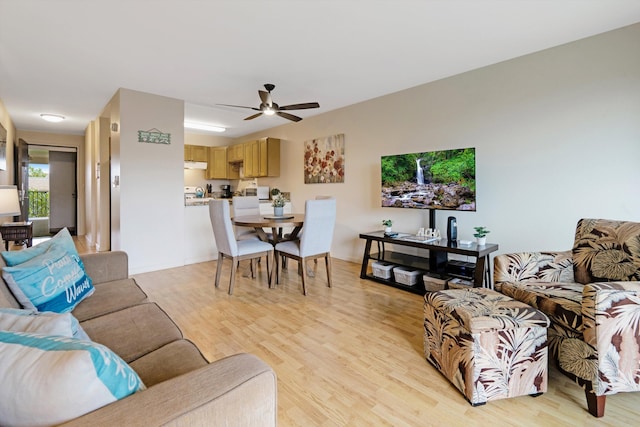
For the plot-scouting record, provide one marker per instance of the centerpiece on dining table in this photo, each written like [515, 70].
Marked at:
[278, 201]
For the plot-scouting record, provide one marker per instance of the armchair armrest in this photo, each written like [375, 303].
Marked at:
[238, 390]
[549, 266]
[106, 266]
[611, 319]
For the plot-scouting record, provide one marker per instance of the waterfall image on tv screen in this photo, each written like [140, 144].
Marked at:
[443, 179]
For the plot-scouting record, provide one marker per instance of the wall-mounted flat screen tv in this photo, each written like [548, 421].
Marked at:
[443, 179]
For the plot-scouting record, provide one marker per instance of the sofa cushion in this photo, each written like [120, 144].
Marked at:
[46, 323]
[109, 297]
[169, 361]
[606, 250]
[52, 281]
[134, 331]
[51, 379]
[561, 302]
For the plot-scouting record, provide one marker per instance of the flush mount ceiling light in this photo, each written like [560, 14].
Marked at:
[202, 126]
[54, 118]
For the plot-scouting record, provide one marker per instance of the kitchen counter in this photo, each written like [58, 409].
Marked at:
[204, 201]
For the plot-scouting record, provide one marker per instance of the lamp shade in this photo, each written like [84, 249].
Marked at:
[9, 203]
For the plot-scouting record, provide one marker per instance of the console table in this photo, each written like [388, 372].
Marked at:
[437, 262]
[17, 232]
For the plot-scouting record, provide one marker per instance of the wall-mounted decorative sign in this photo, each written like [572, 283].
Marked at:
[324, 160]
[154, 136]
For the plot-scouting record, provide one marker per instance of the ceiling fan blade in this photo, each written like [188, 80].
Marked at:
[265, 97]
[300, 106]
[289, 116]
[253, 117]
[239, 106]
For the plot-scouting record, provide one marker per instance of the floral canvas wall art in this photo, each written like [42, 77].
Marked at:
[324, 160]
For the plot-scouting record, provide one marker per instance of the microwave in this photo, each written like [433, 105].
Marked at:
[261, 191]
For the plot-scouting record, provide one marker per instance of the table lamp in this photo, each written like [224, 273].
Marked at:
[9, 203]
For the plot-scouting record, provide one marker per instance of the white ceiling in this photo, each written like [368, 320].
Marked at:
[69, 57]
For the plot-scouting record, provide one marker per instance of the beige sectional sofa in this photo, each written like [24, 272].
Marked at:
[591, 293]
[182, 387]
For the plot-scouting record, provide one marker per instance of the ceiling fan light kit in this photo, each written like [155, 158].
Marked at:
[270, 108]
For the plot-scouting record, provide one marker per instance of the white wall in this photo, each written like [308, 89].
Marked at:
[150, 202]
[557, 137]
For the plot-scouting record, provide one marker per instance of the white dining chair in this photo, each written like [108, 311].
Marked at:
[242, 206]
[319, 222]
[229, 247]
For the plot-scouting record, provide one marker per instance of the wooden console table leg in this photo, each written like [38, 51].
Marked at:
[487, 275]
[365, 259]
[478, 274]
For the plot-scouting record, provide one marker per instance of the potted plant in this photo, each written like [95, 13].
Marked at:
[387, 225]
[481, 235]
[278, 203]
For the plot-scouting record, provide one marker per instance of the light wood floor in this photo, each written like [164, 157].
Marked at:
[351, 354]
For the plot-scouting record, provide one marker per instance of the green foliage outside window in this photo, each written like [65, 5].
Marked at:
[38, 204]
[36, 172]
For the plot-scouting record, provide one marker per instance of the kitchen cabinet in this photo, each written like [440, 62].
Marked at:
[195, 153]
[251, 159]
[262, 158]
[217, 163]
[235, 153]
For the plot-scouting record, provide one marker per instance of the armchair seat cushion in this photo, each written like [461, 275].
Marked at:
[561, 302]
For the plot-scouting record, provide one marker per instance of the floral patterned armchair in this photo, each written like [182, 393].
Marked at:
[592, 296]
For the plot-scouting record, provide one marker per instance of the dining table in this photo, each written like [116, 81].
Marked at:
[276, 223]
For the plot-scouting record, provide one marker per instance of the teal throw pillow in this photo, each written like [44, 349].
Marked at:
[47, 380]
[52, 281]
[46, 322]
[61, 240]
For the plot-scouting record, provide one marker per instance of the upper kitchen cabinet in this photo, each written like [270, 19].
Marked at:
[217, 163]
[262, 158]
[235, 153]
[195, 153]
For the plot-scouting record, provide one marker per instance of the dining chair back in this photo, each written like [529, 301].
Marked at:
[229, 247]
[242, 206]
[317, 236]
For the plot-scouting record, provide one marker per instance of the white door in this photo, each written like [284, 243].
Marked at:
[62, 191]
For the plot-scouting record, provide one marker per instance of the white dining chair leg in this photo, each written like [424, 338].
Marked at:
[303, 262]
[218, 269]
[327, 263]
[234, 263]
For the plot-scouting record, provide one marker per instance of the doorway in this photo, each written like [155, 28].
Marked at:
[50, 195]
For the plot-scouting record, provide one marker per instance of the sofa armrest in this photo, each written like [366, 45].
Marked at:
[611, 326]
[106, 266]
[550, 266]
[239, 390]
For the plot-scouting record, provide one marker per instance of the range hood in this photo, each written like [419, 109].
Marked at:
[195, 165]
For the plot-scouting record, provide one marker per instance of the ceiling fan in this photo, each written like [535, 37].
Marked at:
[269, 108]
